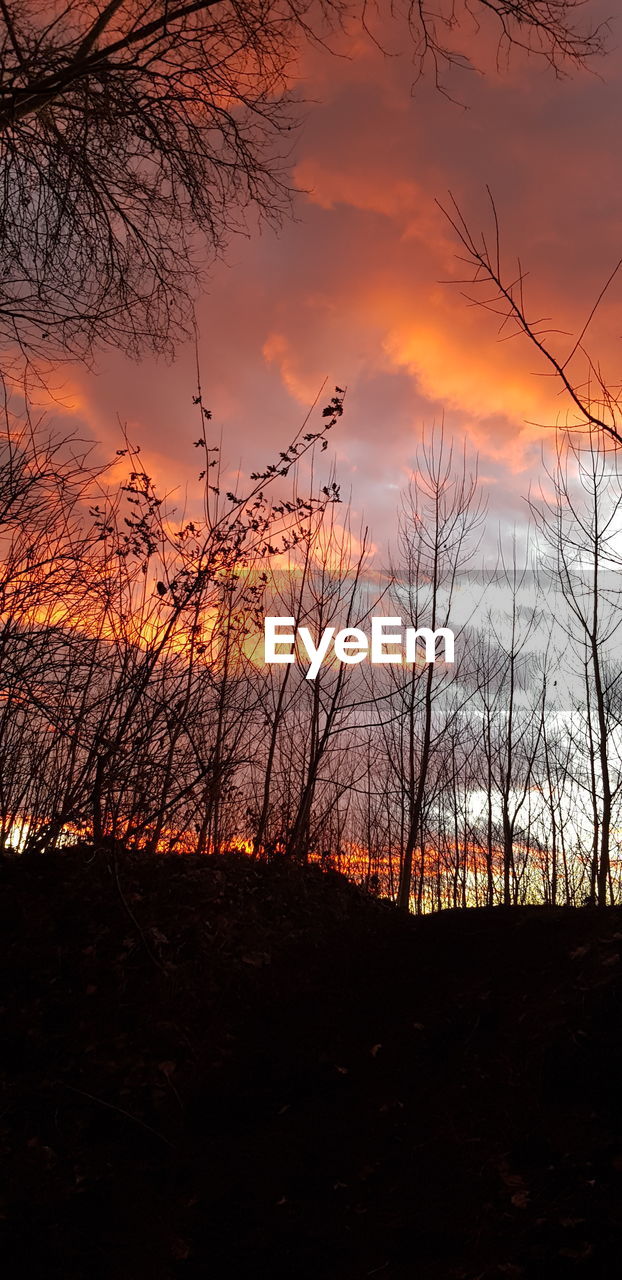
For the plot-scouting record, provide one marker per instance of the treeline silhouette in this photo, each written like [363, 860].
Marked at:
[137, 711]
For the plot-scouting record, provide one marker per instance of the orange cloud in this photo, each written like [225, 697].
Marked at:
[277, 351]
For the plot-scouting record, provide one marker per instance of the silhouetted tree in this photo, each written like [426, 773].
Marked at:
[135, 132]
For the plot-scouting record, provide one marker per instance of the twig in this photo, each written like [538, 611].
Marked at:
[152, 956]
[112, 1107]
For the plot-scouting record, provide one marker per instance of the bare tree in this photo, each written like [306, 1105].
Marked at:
[135, 132]
[122, 630]
[580, 526]
[441, 514]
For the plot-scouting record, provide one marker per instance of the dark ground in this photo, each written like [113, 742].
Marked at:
[266, 1073]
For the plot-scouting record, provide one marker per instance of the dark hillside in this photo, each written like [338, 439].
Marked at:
[218, 1068]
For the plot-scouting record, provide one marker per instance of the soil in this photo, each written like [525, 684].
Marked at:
[215, 1067]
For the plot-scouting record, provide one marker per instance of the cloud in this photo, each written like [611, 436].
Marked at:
[350, 292]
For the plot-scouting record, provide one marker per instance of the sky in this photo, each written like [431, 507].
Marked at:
[352, 290]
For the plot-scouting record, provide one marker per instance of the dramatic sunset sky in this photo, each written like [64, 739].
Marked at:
[350, 291]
